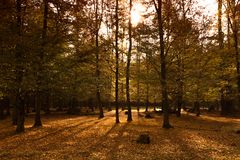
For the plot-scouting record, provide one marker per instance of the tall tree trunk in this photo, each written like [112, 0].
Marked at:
[138, 81]
[128, 63]
[180, 64]
[122, 66]
[228, 26]
[110, 77]
[147, 87]
[220, 32]
[98, 23]
[19, 71]
[40, 94]
[220, 41]
[117, 63]
[235, 38]
[180, 85]
[165, 102]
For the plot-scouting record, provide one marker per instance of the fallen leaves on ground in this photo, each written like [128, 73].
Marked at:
[90, 138]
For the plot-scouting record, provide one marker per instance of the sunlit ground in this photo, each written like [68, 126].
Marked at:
[86, 137]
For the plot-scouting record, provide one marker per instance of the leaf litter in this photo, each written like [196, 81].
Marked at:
[90, 138]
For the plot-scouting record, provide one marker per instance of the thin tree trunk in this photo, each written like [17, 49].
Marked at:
[128, 64]
[180, 86]
[122, 81]
[110, 77]
[220, 32]
[19, 72]
[220, 39]
[117, 63]
[138, 81]
[147, 87]
[98, 22]
[228, 26]
[181, 68]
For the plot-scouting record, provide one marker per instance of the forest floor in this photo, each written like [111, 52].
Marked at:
[90, 138]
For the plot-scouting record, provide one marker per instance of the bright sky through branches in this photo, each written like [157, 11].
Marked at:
[136, 13]
[210, 9]
[210, 6]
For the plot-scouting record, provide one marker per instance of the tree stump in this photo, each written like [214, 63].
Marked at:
[148, 115]
[143, 139]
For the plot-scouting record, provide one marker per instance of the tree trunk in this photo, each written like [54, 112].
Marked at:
[117, 63]
[138, 81]
[197, 108]
[180, 85]
[179, 102]
[228, 26]
[98, 23]
[165, 102]
[8, 107]
[38, 101]
[19, 71]
[220, 32]
[39, 96]
[147, 87]
[122, 81]
[128, 64]
[20, 114]
[14, 113]
[235, 38]
[1, 112]
[46, 103]
[180, 63]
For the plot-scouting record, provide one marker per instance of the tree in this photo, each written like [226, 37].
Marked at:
[19, 69]
[40, 60]
[165, 103]
[117, 63]
[128, 63]
[98, 25]
[147, 81]
[232, 16]
[220, 32]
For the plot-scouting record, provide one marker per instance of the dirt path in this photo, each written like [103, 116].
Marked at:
[87, 137]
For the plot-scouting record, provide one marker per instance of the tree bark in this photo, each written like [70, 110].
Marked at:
[1, 111]
[117, 63]
[180, 85]
[39, 96]
[138, 81]
[147, 87]
[180, 80]
[98, 23]
[220, 32]
[19, 71]
[235, 38]
[228, 26]
[165, 103]
[129, 118]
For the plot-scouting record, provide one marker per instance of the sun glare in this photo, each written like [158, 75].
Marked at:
[136, 13]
